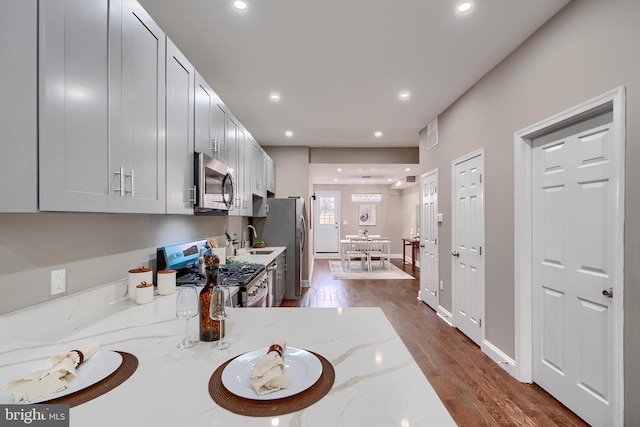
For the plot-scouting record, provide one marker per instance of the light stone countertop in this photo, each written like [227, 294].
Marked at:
[377, 381]
[260, 257]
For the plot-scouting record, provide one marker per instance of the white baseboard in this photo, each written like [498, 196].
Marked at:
[445, 315]
[501, 359]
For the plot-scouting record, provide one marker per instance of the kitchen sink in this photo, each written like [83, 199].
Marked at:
[261, 251]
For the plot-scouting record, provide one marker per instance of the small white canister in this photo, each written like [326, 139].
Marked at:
[144, 293]
[137, 276]
[166, 282]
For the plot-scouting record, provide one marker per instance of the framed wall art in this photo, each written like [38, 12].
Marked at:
[367, 214]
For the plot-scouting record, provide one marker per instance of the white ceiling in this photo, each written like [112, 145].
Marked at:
[339, 65]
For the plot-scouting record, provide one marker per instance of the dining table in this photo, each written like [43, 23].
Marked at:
[367, 375]
[378, 246]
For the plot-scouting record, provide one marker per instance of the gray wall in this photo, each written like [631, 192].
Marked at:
[94, 249]
[589, 48]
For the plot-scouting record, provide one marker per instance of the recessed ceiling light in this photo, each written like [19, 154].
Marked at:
[407, 169]
[274, 96]
[463, 7]
[335, 179]
[377, 134]
[240, 4]
[339, 169]
[404, 95]
[288, 133]
[389, 179]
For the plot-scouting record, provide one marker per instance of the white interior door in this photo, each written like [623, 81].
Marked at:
[573, 245]
[429, 274]
[327, 220]
[467, 242]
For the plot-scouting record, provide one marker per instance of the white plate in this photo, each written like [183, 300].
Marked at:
[98, 367]
[302, 367]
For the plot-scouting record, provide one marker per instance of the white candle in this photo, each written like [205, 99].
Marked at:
[144, 293]
[166, 282]
[137, 276]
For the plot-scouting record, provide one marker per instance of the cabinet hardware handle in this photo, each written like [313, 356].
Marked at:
[133, 182]
[455, 254]
[121, 189]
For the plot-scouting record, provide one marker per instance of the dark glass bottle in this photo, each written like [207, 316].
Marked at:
[210, 330]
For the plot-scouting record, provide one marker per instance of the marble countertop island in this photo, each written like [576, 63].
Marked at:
[377, 382]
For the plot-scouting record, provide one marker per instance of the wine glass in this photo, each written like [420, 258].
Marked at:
[220, 300]
[186, 308]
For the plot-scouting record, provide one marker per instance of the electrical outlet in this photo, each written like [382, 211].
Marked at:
[441, 285]
[58, 281]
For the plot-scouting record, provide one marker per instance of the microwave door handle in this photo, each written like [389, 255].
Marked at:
[228, 202]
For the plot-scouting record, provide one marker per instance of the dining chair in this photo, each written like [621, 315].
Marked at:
[357, 250]
[379, 250]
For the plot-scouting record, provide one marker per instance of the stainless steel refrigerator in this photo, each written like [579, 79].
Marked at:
[285, 225]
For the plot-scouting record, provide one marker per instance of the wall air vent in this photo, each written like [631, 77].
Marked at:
[405, 182]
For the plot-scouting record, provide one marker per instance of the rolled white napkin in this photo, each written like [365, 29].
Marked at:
[56, 376]
[267, 374]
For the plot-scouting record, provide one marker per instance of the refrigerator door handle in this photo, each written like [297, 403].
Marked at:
[304, 233]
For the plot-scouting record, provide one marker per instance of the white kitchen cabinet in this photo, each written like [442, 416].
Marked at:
[210, 122]
[180, 134]
[102, 107]
[240, 161]
[244, 175]
[233, 158]
[142, 94]
[270, 174]
[74, 144]
[257, 169]
[19, 106]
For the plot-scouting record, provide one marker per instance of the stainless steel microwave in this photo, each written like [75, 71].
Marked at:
[214, 184]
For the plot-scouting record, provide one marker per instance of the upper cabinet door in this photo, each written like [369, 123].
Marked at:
[234, 162]
[271, 175]
[74, 145]
[219, 122]
[19, 106]
[258, 169]
[204, 138]
[180, 135]
[101, 107]
[143, 111]
[210, 122]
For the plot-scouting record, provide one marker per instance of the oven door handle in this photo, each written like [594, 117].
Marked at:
[259, 299]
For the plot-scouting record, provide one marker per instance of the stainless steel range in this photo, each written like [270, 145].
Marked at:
[251, 279]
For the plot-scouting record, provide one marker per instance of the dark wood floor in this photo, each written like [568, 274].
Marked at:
[475, 390]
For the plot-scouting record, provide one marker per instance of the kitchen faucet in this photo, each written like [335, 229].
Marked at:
[255, 233]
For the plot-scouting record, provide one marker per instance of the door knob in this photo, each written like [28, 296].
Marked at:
[422, 245]
[455, 253]
[608, 293]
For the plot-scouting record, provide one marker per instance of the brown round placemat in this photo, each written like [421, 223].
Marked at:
[125, 370]
[269, 408]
